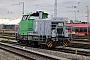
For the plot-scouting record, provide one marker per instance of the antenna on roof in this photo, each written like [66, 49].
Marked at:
[55, 9]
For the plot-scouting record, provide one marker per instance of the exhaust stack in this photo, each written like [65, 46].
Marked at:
[55, 9]
[40, 14]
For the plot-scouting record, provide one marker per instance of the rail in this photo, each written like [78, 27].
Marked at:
[19, 51]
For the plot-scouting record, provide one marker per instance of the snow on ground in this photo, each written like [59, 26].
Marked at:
[7, 21]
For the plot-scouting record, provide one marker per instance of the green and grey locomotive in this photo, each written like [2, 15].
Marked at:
[36, 29]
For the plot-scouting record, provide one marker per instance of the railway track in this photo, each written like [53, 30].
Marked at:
[75, 43]
[80, 41]
[8, 37]
[49, 51]
[79, 46]
[80, 37]
[28, 54]
[78, 51]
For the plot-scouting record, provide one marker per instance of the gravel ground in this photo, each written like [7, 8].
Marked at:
[61, 54]
[9, 56]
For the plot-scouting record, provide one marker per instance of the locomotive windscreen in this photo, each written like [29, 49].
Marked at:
[25, 17]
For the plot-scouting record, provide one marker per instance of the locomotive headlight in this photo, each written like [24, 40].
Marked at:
[60, 24]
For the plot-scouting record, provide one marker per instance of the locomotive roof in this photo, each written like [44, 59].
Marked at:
[58, 20]
[54, 19]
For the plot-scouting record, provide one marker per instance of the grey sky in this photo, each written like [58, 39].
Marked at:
[65, 8]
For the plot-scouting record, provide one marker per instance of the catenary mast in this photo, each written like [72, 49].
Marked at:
[55, 9]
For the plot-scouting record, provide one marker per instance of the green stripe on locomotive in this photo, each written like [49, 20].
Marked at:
[31, 25]
[25, 26]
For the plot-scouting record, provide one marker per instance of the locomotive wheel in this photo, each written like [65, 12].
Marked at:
[18, 41]
[32, 44]
[65, 44]
[28, 43]
[36, 44]
[23, 42]
[42, 46]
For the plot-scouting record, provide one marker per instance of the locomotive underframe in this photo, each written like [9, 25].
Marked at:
[37, 40]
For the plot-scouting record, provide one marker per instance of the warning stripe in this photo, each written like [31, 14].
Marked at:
[49, 44]
[65, 44]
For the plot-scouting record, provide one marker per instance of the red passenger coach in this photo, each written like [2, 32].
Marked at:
[78, 28]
